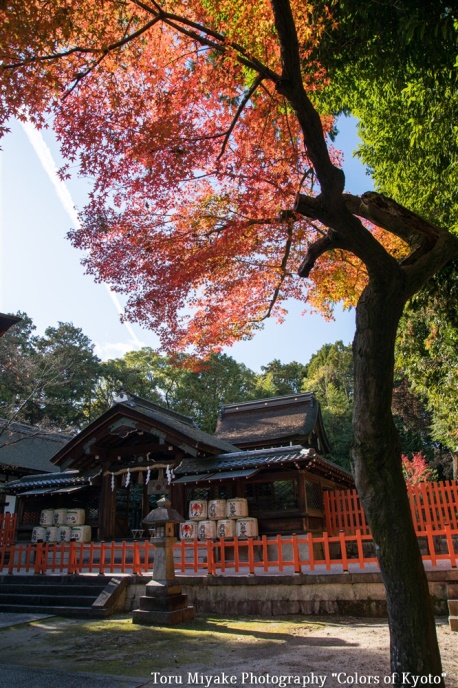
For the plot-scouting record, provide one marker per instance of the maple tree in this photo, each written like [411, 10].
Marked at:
[215, 186]
[416, 470]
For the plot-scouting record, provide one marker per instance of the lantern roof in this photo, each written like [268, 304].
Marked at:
[163, 514]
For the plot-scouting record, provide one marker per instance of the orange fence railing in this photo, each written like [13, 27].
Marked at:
[262, 555]
[432, 504]
[7, 529]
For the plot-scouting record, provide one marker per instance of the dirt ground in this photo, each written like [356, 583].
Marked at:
[213, 651]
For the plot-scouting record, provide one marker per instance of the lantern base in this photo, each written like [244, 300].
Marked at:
[163, 605]
[156, 618]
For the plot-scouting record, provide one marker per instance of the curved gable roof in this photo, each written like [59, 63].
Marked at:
[293, 418]
[136, 415]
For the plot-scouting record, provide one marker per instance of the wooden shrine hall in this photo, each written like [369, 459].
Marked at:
[269, 451]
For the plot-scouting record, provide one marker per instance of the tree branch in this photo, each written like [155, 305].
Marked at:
[240, 108]
[331, 178]
[316, 250]
[420, 234]
[283, 271]
[91, 51]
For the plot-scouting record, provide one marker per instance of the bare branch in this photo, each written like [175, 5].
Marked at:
[240, 108]
[283, 270]
[91, 51]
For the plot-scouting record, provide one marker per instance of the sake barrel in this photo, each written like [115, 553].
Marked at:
[60, 517]
[81, 533]
[225, 528]
[188, 530]
[217, 509]
[64, 533]
[198, 510]
[47, 517]
[206, 530]
[246, 527]
[237, 507]
[51, 534]
[75, 517]
[38, 533]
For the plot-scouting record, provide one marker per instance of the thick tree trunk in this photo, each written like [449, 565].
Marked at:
[376, 457]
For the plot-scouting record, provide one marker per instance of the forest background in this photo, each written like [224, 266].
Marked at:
[56, 382]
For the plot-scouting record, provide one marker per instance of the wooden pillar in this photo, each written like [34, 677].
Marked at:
[106, 508]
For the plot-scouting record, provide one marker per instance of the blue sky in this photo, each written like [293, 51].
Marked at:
[41, 273]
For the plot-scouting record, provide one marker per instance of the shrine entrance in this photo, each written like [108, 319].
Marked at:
[132, 504]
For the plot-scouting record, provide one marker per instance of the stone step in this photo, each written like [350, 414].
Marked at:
[55, 590]
[453, 621]
[51, 579]
[42, 600]
[83, 596]
[67, 610]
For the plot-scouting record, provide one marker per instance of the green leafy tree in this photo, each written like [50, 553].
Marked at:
[67, 396]
[47, 381]
[394, 66]
[279, 378]
[185, 384]
[216, 381]
[21, 379]
[330, 376]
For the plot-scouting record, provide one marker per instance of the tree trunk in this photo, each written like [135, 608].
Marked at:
[376, 457]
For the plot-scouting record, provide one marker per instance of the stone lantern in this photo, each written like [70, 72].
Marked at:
[164, 603]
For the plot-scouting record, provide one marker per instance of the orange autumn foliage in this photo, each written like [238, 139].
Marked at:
[196, 159]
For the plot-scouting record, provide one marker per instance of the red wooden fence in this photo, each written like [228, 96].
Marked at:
[7, 529]
[294, 554]
[433, 504]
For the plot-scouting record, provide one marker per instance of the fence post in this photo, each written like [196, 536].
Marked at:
[296, 560]
[431, 545]
[311, 552]
[136, 565]
[211, 569]
[280, 552]
[359, 543]
[72, 557]
[39, 558]
[250, 555]
[265, 554]
[451, 549]
[343, 550]
[222, 555]
[236, 555]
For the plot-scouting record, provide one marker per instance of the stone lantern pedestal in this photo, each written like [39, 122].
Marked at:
[164, 603]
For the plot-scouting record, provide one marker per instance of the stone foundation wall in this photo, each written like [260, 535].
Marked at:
[358, 594]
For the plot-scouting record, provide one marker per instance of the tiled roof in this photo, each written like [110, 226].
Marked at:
[28, 447]
[49, 481]
[259, 458]
[177, 421]
[172, 426]
[229, 464]
[293, 417]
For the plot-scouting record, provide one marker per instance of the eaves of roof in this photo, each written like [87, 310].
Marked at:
[50, 480]
[262, 458]
[258, 458]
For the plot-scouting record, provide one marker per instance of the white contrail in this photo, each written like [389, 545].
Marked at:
[45, 156]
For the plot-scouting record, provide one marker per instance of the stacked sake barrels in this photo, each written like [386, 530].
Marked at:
[62, 525]
[219, 518]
